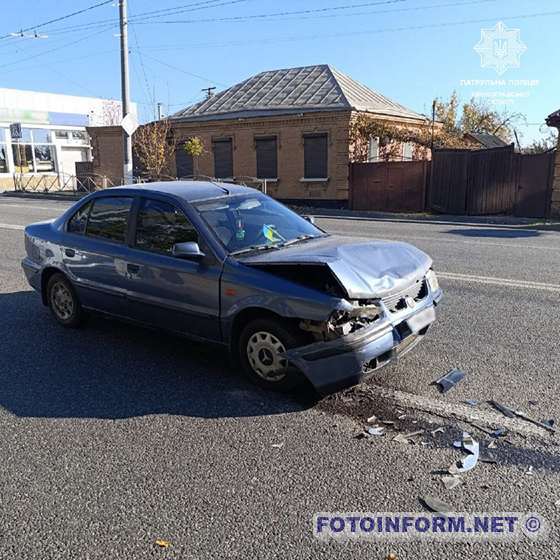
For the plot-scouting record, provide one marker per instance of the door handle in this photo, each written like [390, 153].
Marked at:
[70, 253]
[133, 268]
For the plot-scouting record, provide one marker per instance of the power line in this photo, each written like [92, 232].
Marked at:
[43, 53]
[45, 23]
[205, 79]
[142, 16]
[288, 39]
[314, 14]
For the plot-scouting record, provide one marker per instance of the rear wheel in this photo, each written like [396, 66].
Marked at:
[63, 301]
[261, 345]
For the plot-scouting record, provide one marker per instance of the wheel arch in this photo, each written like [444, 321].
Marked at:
[46, 274]
[244, 317]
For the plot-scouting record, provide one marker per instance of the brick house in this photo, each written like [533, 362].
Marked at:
[553, 120]
[289, 126]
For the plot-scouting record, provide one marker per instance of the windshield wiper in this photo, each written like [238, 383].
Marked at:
[263, 247]
[298, 239]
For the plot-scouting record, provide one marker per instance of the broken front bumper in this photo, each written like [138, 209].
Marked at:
[339, 363]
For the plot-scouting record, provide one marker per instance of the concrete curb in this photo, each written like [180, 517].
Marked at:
[44, 196]
[529, 226]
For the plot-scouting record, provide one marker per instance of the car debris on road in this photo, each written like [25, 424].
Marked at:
[471, 446]
[449, 380]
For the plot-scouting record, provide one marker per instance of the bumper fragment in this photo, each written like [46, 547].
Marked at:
[343, 362]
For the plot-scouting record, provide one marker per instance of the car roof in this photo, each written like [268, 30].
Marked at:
[189, 191]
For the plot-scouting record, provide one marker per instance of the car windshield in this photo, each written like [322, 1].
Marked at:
[254, 222]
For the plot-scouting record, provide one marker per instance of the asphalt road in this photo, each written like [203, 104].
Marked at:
[112, 436]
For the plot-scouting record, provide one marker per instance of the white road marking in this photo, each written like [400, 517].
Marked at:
[11, 226]
[27, 206]
[504, 282]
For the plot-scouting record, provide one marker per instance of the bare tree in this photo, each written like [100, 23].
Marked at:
[154, 147]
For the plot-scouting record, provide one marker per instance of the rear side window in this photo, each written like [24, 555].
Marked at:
[108, 218]
[77, 223]
[160, 225]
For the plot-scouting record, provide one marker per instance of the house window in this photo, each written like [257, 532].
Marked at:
[267, 157]
[373, 149]
[408, 148]
[223, 158]
[315, 148]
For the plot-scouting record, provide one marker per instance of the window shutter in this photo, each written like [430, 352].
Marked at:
[315, 147]
[223, 158]
[183, 161]
[267, 158]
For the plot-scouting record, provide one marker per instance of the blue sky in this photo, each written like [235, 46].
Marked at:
[410, 50]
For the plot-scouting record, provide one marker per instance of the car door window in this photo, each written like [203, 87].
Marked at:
[108, 218]
[160, 225]
[77, 223]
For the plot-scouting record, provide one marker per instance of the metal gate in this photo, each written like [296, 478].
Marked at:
[534, 183]
[388, 186]
[473, 182]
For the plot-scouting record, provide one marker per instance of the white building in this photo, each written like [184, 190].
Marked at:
[53, 134]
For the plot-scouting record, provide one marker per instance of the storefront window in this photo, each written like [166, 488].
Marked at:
[3, 159]
[44, 159]
[41, 136]
[62, 134]
[23, 158]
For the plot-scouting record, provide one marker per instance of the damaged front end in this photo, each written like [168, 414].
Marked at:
[365, 336]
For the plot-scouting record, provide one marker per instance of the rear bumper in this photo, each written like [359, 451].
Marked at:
[343, 362]
[32, 272]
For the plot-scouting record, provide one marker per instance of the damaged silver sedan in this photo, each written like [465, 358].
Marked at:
[228, 264]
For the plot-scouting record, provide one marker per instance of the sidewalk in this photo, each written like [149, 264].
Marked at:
[443, 219]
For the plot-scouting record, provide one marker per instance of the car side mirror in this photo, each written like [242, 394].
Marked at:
[187, 250]
[310, 219]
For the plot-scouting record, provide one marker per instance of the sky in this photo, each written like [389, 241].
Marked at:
[411, 51]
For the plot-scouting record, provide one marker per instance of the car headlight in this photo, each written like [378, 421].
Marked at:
[432, 280]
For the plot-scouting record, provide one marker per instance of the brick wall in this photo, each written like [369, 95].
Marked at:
[289, 131]
[107, 150]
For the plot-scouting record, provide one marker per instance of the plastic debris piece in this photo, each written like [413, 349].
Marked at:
[549, 422]
[439, 430]
[505, 410]
[471, 402]
[375, 431]
[489, 460]
[449, 380]
[162, 543]
[434, 504]
[492, 445]
[530, 470]
[452, 481]
[391, 556]
[533, 421]
[499, 432]
[457, 444]
[372, 419]
[388, 422]
[407, 438]
[278, 445]
[467, 463]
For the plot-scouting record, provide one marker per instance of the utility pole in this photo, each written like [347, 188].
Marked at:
[125, 85]
[433, 124]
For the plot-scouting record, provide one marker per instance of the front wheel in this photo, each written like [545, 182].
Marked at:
[261, 345]
[63, 301]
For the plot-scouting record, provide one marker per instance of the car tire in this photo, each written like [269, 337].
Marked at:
[63, 301]
[259, 343]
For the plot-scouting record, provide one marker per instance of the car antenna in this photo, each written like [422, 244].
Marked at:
[216, 184]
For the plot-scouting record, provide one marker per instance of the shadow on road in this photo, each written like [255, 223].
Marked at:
[114, 370]
[495, 232]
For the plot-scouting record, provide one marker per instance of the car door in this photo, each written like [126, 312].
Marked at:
[94, 253]
[167, 291]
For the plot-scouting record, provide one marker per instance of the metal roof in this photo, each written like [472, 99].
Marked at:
[294, 90]
[487, 140]
[189, 191]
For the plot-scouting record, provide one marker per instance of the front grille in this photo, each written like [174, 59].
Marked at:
[397, 302]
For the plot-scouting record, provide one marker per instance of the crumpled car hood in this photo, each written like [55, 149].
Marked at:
[365, 268]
